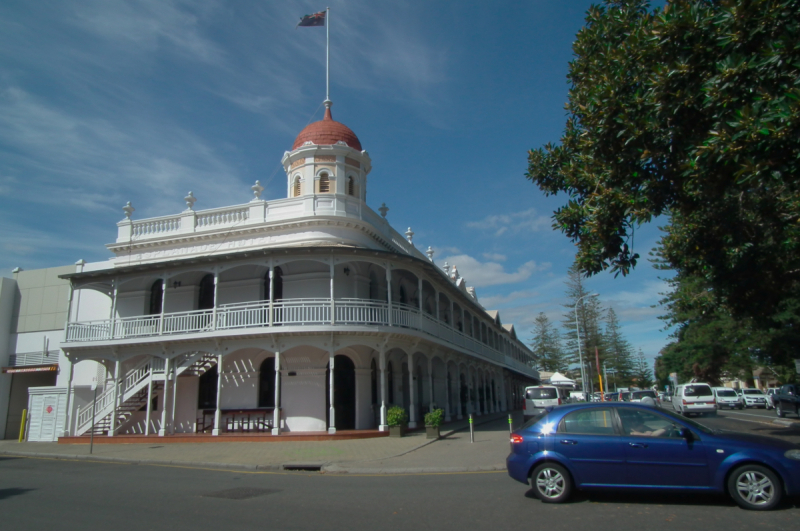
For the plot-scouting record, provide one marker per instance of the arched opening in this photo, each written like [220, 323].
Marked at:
[406, 389]
[403, 297]
[296, 187]
[324, 183]
[449, 391]
[266, 383]
[464, 394]
[374, 289]
[207, 389]
[156, 297]
[205, 299]
[344, 392]
[420, 391]
[351, 186]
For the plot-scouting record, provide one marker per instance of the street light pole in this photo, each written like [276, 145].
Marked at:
[578, 335]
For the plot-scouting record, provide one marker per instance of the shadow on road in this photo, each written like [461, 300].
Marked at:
[659, 498]
[10, 493]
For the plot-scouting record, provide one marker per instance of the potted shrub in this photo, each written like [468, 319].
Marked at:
[397, 419]
[433, 419]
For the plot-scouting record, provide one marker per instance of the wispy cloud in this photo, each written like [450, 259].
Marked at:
[480, 274]
[514, 223]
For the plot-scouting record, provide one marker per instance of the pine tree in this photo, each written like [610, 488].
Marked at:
[619, 353]
[642, 372]
[589, 315]
[547, 346]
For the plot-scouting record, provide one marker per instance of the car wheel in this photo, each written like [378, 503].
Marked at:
[755, 487]
[551, 482]
[779, 411]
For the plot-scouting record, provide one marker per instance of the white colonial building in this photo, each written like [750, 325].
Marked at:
[304, 314]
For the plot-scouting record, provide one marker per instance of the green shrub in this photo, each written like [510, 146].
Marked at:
[396, 416]
[434, 417]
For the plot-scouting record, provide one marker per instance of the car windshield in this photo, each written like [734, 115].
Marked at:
[693, 424]
[540, 393]
[753, 392]
[726, 392]
[697, 390]
[638, 395]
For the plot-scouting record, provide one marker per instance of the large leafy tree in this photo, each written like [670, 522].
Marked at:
[691, 112]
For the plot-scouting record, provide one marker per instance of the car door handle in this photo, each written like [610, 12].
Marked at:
[568, 441]
[638, 445]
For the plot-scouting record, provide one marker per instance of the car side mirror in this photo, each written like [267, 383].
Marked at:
[687, 434]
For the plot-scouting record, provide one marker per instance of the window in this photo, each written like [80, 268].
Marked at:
[541, 393]
[277, 284]
[351, 187]
[156, 297]
[697, 390]
[324, 183]
[644, 423]
[588, 421]
[296, 187]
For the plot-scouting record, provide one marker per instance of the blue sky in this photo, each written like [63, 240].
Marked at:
[108, 101]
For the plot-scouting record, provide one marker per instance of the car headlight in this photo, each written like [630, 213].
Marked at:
[793, 454]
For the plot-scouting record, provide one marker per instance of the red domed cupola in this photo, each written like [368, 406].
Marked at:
[327, 132]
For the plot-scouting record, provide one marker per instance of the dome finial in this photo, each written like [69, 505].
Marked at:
[328, 104]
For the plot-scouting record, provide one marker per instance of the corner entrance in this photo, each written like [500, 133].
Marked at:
[344, 392]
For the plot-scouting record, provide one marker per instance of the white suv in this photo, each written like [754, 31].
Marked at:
[754, 398]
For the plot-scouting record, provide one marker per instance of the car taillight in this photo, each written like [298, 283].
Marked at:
[559, 401]
[714, 401]
[516, 439]
[524, 405]
[685, 402]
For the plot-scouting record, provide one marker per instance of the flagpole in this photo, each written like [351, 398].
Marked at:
[327, 53]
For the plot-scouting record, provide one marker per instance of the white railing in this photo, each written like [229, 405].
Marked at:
[288, 312]
[156, 226]
[33, 358]
[222, 217]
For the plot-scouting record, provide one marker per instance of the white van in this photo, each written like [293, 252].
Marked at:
[541, 396]
[727, 397]
[697, 398]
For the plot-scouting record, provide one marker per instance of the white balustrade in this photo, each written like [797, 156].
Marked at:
[287, 312]
[221, 217]
[156, 226]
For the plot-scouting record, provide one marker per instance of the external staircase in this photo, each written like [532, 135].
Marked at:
[133, 393]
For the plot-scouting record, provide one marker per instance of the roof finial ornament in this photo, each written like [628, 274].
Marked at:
[257, 189]
[328, 104]
[128, 209]
[190, 199]
[430, 252]
[409, 235]
[383, 209]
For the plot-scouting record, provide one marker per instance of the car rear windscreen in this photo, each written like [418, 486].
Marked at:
[727, 393]
[545, 393]
[697, 390]
[752, 391]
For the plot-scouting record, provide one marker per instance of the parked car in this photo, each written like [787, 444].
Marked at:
[754, 398]
[696, 398]
[617, 445]
[727, 397]
[787, 400]
[640, 396]
[623, 396]
[537, 398]
[770, 395]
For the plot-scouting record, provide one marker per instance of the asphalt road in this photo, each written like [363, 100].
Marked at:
[65, 495]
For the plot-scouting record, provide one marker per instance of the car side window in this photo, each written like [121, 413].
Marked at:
[588, 421]
[639, 423]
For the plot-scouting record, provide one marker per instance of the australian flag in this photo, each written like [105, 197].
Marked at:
[317, 19]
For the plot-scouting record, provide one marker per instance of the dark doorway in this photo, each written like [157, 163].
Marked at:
[464, 395]
[207, 389]
[156, 297]
[406, 389]
[266, 383]
[205, 299]
[344, 392]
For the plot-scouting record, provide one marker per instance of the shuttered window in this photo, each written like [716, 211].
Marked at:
[324, 184]
[297, 187]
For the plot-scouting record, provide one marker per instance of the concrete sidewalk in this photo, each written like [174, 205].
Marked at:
[386, 455]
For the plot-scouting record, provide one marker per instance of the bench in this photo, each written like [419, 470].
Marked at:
[240, 419]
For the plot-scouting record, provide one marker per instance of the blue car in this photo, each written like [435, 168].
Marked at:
[621, 445]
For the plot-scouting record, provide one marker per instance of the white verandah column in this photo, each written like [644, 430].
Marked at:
[431, 398]
[149, 399]
[383, 424]
[389, 292]
[65, 431]
[112, 428]
[174, 399]
[276, 412]
[214, 310]
[331, 409]
[217, 412]
[162, 429]
[271, 296]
